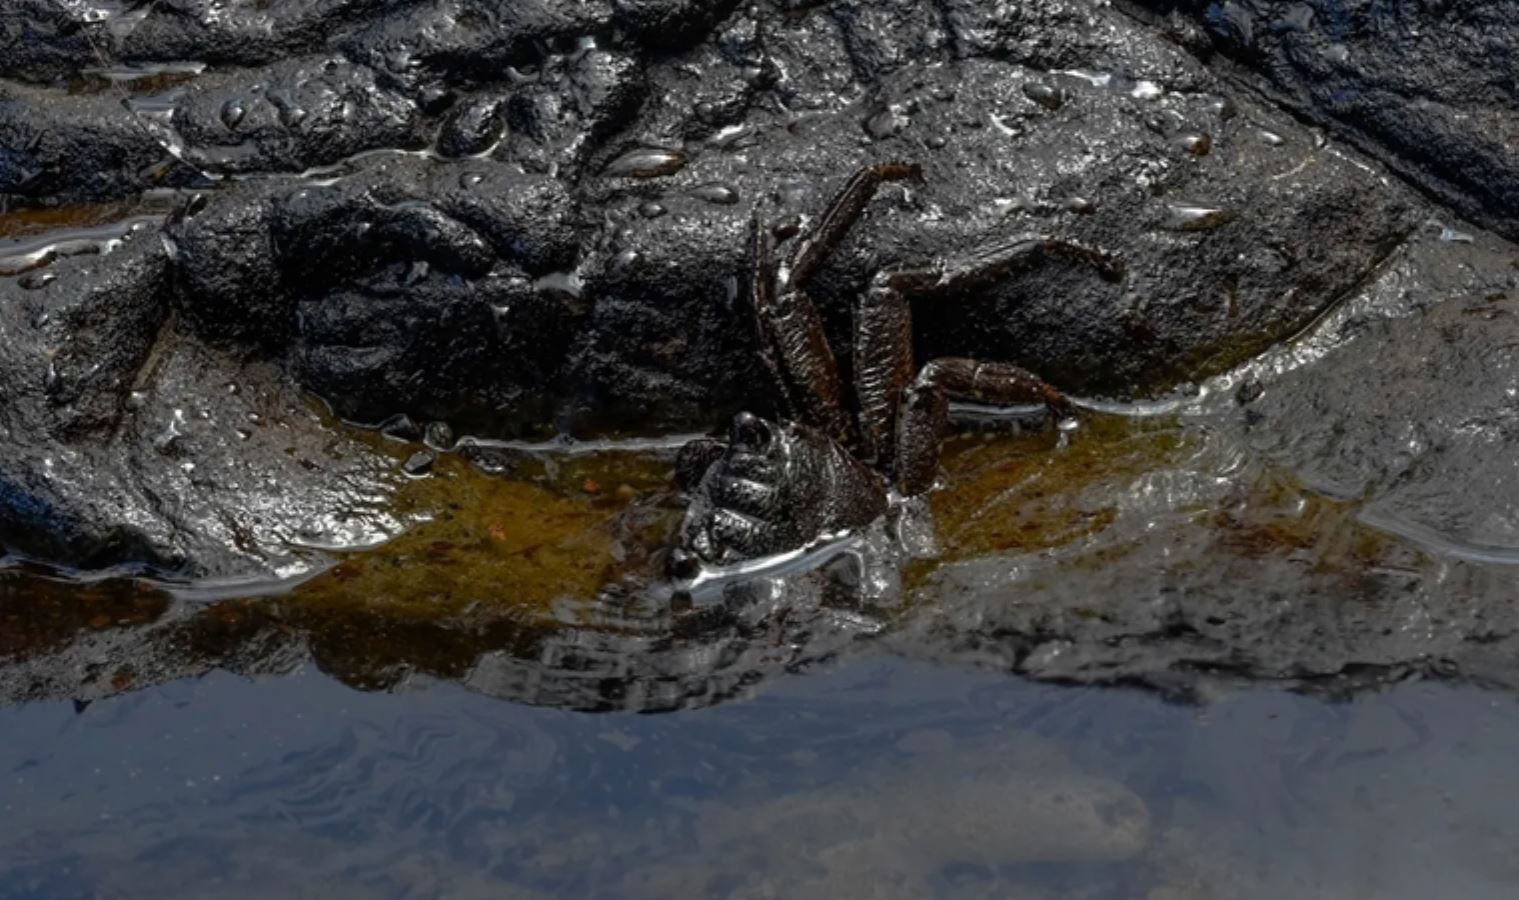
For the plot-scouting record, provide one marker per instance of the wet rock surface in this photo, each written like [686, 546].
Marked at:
[299, 114]
[85, 149]
[1426, 87]
[473, 222]
[127, 444]
[1367, 505]
[1428, 440]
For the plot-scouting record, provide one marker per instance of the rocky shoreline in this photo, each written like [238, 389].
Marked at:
[531, 218]
[527, 219]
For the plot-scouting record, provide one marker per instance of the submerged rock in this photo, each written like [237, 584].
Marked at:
[919, 820]
[899, 824]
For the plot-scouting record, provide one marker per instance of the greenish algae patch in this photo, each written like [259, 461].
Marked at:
[541, 542]
[522, 547]
[540, 557]
[17, 223]
[1036, 491]
[1325, 535]
[1024, 493]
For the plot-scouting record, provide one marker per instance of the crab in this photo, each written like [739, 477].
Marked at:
[833, 465]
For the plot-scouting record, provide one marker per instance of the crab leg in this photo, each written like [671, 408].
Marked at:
[925, 409]
[883, 356]
[795, 349]
[883, 348]
[794, 343]
[994, 262]
[814, 247]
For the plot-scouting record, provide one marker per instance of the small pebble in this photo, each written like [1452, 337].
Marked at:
[401, 428]
[419, 464]
[439, 436]
[1046, 95]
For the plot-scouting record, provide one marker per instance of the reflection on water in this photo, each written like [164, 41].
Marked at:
[1156, 550]
[879, 778]
[136, 763]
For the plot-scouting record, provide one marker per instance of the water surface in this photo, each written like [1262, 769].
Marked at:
[821, 786]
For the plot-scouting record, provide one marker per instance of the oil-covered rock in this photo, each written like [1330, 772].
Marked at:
[537, 219]
[1426, 87]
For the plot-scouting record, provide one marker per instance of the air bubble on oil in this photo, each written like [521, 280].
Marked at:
[720, 194]
[1046, 95]
[232, 113]
[646, 162]
[1197, 217]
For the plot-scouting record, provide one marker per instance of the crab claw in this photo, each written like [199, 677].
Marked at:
[776, 487]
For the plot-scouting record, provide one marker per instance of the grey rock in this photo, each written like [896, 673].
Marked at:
[233, 33]
[472, 127]
[1365, 528]
[291, 116]
[42, 40]
[79, 149]
[454, 41]
[668, 24]
[131, 445]
[1414, 410]
[510, 303]
[1426, 87]
[228, 273]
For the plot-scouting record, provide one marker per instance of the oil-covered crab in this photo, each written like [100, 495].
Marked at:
[773, 487]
